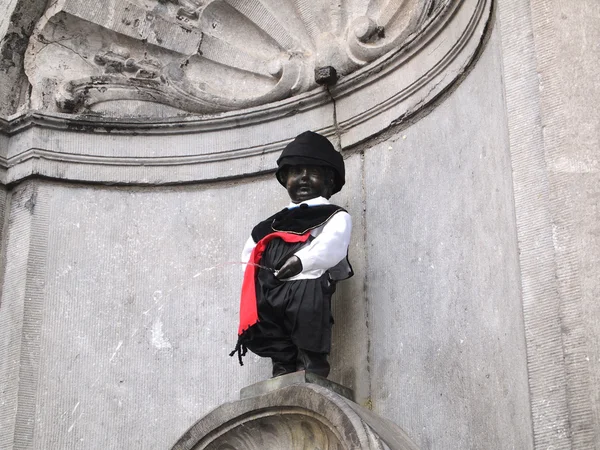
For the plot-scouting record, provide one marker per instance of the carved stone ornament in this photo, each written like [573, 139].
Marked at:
[215, 55]
[298, 417]
[170, 91]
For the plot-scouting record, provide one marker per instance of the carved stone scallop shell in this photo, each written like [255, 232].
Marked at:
[173, 91]
[201, 56]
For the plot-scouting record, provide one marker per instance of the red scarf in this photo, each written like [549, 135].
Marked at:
[248, 305]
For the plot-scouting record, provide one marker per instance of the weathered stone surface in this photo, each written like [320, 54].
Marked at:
[218, 56]
[139, 311]
[567, 41]
[17, 23]
[552, 48]
[21, 312]
[443, 286]
[300, 416]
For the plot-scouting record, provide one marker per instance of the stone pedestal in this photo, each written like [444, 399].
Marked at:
[295, 411]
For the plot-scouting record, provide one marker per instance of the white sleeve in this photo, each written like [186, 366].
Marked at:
[330, 246]
[247, 251]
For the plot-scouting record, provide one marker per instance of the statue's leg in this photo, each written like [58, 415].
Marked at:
[269, 340]
[313, 362]
[284, 362]
[310, 313]
[283, 353]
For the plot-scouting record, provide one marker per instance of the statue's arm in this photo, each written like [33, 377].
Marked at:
[291, 268]
[247, 251]
[330, 246]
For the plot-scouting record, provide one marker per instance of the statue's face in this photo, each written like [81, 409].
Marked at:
[306, 182]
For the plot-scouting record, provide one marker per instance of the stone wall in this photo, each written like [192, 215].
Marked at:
[124, 301]
[553, 129]
[471, 321]
[567, 40]
[443, 279]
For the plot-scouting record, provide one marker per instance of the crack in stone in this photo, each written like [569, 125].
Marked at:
[58, 42]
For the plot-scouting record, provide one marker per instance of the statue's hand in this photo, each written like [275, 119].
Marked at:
[292, 267]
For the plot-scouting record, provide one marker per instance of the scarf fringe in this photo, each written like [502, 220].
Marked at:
[240, 348]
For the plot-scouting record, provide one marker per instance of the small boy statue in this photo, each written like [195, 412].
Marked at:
[294, 259]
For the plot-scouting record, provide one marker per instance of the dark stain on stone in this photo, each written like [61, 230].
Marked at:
[11, 48]
[30, 204]
[430, 9]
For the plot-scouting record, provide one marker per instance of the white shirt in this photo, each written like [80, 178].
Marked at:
[326, 250]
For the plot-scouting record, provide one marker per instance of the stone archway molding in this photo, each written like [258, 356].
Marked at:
[103, 147]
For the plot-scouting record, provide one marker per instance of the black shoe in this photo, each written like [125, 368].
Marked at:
[283, 368]
[313, 362]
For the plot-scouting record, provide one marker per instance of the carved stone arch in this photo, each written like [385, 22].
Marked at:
[173, 92]
[296, 417]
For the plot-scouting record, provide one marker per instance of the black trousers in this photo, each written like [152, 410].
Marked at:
[292, 315]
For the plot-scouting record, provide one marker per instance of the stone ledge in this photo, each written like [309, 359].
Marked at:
[264, 387]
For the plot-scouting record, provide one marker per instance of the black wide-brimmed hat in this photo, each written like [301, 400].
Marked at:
[311, 148]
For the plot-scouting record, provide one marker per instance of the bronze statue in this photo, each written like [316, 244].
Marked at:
[294, 259]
